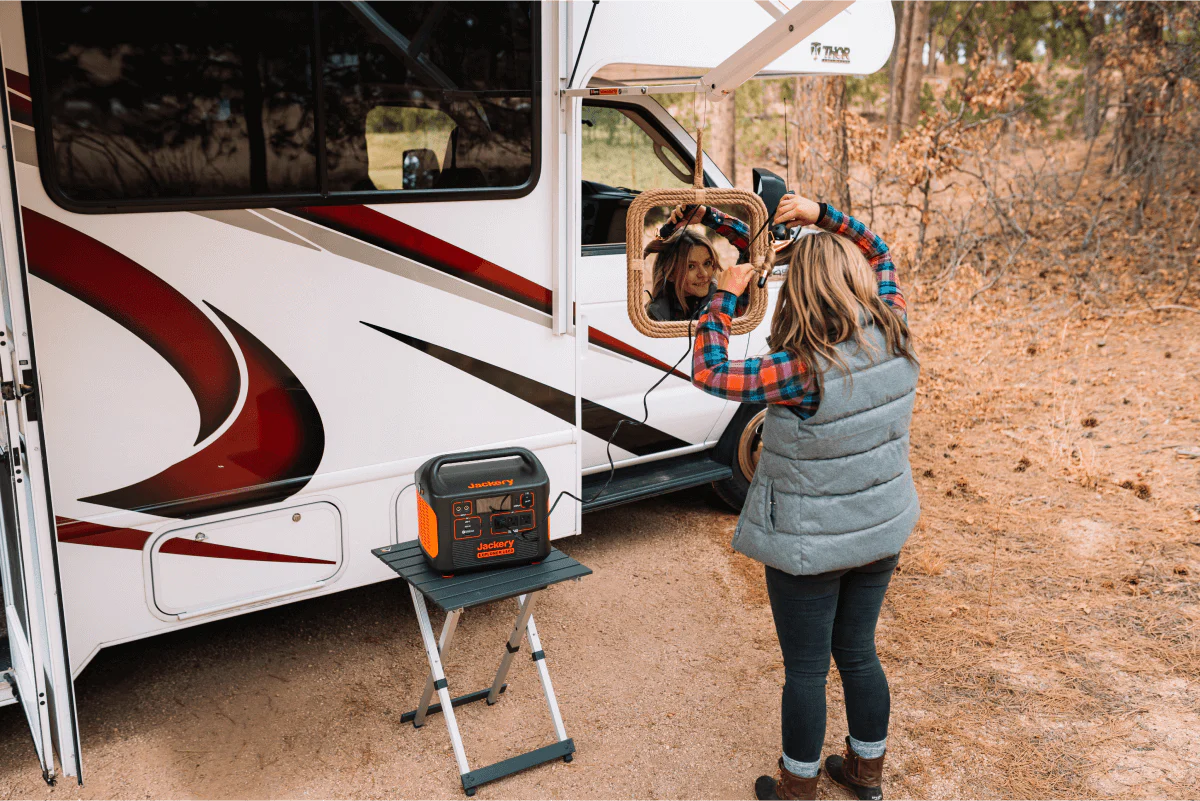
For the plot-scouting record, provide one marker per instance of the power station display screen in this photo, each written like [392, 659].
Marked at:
[498, 503]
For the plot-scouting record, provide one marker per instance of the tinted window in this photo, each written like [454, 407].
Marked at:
[621, 148]
[622, 153]
[150, 103]
[163, 100]
[428, 95]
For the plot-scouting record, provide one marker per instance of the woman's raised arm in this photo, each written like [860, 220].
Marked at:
[874, 248]
[797, 210]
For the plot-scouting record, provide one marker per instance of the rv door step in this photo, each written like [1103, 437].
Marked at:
[653, 478]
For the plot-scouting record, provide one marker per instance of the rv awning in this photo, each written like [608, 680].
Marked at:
[652, 41]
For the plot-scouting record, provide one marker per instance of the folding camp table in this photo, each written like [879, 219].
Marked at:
[453, 594]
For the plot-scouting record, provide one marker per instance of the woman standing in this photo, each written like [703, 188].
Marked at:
[832, 500]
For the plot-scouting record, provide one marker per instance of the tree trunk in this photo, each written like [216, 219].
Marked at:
[841, 149]
[252, 97]
[1136, 140]
[898, 12]
[899, 64]
[1093, 117]
[813, 140]
[721, 141]
[929, 66]
[914, 73]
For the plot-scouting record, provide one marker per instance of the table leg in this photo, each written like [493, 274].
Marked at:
[439, 683]
[525, 609]
[443, 648]
[539, 657]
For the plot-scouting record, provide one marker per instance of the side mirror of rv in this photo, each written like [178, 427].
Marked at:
[677, 243]
[420, 168]
[771, 188]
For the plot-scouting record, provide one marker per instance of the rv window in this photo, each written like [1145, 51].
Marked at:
[622, 149]
[235, 105]
[622, 153]
[178, 100]
[444, 90]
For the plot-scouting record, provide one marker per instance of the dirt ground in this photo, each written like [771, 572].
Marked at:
[1040, 636]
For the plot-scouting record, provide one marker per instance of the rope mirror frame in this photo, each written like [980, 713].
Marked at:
[760, 252]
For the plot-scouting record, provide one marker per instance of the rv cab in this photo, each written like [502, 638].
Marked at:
[260, 262]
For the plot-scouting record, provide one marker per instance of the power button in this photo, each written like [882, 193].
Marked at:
[526, 499]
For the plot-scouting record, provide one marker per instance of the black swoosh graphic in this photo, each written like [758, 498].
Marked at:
[599, 421]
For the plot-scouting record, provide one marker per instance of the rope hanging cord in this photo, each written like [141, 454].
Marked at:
[635, 226]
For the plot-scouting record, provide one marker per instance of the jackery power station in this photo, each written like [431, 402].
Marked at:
[483, 509]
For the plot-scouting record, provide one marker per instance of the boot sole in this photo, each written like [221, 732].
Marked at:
[853, 789]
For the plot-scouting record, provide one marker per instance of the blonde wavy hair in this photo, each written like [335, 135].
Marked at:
[671, 261]
[829, 295]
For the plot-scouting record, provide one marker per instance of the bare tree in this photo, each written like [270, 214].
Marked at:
[815, 137]
[836, 108]
[722, 131]
[908, 69]
[914, 72]
[899, 66]
[1093, 117]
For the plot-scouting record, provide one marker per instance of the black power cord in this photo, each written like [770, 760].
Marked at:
[612, 468]
[582, 42]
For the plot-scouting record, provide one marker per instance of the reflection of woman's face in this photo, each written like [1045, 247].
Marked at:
[699, 272]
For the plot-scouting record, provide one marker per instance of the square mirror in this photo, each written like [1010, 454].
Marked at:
[678, 241]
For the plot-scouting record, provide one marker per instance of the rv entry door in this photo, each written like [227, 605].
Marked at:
[33, 650]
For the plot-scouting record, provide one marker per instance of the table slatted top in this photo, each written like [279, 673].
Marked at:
[485, 586]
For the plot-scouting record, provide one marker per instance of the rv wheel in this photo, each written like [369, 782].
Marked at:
[745, 437]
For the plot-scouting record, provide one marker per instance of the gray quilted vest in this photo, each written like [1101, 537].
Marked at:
[835, 491]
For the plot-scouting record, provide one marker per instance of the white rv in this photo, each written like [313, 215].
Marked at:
[261, 261]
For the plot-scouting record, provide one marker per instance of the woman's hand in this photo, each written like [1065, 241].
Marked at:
[735, 279]
[795, 210]
[694, 214]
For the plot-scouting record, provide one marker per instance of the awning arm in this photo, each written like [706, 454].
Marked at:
[776, 39]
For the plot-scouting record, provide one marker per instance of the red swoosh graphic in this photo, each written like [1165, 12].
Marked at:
[79, 532]
[598, 337]
[269, 453]
[18, 81]
[390, 234]
[20, 109]
[186, 547]
[142, 303]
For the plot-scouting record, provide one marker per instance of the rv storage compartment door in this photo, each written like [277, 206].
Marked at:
[242, 560]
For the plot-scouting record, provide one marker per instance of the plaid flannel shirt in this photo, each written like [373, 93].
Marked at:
[780, 377]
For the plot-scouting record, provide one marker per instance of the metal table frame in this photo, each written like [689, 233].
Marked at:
[455, 594]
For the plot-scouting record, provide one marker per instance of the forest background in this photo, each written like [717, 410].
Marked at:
[1033, 167]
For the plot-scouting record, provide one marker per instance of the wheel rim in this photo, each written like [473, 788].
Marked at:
[750, 445]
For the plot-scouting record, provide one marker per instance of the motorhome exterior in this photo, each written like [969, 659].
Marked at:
[261, 261]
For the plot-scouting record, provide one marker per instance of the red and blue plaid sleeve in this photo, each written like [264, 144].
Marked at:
[736, 232]
[874, 248]
[775, 378]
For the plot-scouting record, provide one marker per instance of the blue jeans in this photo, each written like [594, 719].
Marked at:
[818, 615]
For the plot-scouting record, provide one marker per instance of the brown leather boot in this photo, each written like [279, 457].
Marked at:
[863, 777]
[786, 786]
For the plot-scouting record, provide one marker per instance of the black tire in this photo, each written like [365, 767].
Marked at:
[743, 430]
